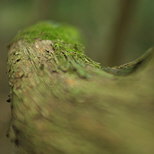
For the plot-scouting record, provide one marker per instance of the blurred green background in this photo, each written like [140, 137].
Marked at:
[114, 32]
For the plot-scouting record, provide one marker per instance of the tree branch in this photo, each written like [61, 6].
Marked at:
[63, 102]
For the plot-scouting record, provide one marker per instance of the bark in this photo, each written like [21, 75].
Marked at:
[65, 103]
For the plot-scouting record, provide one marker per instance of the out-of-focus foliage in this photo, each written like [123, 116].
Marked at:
[113, 31]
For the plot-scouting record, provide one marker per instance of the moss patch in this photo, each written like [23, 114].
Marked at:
[49, 31]
[67, 45]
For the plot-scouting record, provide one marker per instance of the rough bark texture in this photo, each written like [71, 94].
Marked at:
[64, 103]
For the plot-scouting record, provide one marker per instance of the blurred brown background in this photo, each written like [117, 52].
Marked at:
[114, 31]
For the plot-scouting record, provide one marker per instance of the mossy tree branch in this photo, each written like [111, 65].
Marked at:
[63, 102]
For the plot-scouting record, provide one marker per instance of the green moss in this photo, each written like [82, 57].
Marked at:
[66, 42]
[130, 67]
[49, 31]
[69, 50]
